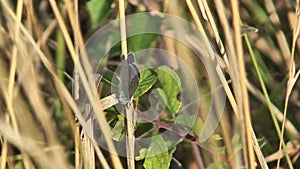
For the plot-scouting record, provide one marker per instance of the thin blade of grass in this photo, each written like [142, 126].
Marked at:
[247, 127]
[266, 95]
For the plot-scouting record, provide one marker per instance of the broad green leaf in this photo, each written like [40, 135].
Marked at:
[107, 76]
[141, 41]
[157, 155]
[143, 23]
[98, 10]
[110, 82]
[170, 83]
[19, 165]
[118, 131]
[185, 121]
[142, 155]
[143, 151]
[172, 147]
[147, 80]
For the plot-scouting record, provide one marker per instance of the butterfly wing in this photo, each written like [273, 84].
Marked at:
[129, 76]
[134, 74]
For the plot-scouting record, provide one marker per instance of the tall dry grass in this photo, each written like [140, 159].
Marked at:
[39, 46]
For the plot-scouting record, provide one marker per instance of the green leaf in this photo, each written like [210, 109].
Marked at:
[197, 126]
[98, 10]
[215, 165]
[236, 140]
[107, 76]
[170, 83]
[19, 165]
[118, 130]
[221, 149]
[143, 23]
[217, 137]
[142, 41]
[157, 155]
[147, 80]
[142, 155]
[185, 121]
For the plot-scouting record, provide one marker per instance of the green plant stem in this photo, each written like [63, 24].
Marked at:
[267, 97]
[60, 55]
[60, 64]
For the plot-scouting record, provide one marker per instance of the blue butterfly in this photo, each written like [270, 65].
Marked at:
[123, 81]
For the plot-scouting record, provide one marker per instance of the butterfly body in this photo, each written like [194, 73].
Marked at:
[129, 79]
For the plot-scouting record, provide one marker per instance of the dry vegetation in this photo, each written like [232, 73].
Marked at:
[39, 44]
